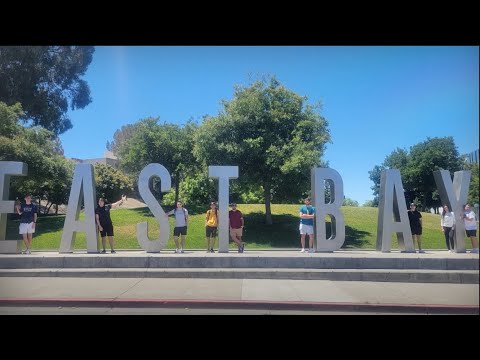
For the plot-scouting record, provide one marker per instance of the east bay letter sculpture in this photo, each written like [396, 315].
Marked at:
[392, 211]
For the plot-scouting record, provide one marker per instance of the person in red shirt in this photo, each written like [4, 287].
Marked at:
[236, 226]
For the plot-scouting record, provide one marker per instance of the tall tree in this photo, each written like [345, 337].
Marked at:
[46, 81]
[49, 173]
[150, 142]
[271, 133]
[417, 167]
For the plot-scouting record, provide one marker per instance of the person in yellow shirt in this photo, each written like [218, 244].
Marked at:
[211, 225]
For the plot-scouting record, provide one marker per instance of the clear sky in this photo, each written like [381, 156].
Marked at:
[375, 98]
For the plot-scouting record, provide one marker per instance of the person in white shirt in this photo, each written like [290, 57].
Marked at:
[447, 222]
[181, 222]
[471, 227]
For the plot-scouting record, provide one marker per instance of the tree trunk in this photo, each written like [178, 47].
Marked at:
[56, 209]
[48, 209]
[177, 186]
[268, 210]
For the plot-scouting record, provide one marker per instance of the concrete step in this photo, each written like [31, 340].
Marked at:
[252, 259]
[377, 275]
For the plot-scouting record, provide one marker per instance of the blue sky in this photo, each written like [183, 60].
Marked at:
[375, 98]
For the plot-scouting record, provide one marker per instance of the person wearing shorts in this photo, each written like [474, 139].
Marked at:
[415, 219]
[181, 222]
[28, 220]
[104, 222]
[211, 226]
[235, 217]
[307, 214]
[470, 222]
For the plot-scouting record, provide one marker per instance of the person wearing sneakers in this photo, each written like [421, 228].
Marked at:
[447, 222]
[236, 226]
[415, 219]
[181, 223]
[470, 222]
[104, 222]
[211, 225]
[307, 214]
[28, 220]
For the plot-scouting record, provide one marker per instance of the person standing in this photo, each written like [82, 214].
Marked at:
[104, 222]
[235, 217]
[181, 223]
[415, 219]
[211, 226]
[470, 222]
[28, 220]
[307, 214]
[447, 222]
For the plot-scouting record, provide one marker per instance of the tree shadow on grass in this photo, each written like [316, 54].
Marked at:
[195, 210]
[284, 233]
[47, 224]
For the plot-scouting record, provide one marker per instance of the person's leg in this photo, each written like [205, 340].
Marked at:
[451, 235]
[29, 239]
[110, 240]
[214, 235]
[175, 239]
[474, 243]
[25, 241]
[419, 242]
[183, 242]
[310, 241]
[446, 233]
[104, 241]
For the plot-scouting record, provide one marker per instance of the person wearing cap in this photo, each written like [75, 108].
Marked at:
[236, 226]
[415, 219]
[28, 220]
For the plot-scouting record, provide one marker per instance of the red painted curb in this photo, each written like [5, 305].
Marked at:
[240, 304]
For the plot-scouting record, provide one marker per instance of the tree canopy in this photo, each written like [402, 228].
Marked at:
[49, 173]
[46, 81]
[271, 133]
[417, 167]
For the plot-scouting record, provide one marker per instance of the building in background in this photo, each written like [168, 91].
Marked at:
[107, 159]
[472, 157]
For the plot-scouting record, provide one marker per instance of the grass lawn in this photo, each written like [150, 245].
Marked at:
[361, 229]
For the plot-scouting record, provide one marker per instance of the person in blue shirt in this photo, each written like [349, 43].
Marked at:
[307, 214]
[28, 219]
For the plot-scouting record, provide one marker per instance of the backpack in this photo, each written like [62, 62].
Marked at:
[184, 213]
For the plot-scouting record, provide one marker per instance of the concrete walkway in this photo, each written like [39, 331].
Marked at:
[241, 294]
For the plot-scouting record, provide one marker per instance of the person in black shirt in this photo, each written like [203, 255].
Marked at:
[416, 226]
[28, 219]
[104, 222]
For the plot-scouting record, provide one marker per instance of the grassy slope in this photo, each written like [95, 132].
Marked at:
[361, 227]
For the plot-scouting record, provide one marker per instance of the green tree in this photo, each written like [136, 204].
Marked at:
[417, 167]
[271, 133]
[349, 202]
[111, 183]
[473, 191]
[46, 81]
[166, 144]
[370, 203]
[49, 173]
[55, 187]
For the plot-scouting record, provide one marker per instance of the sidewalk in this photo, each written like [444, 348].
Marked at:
[240, 294]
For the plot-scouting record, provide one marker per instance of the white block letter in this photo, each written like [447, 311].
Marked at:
[336, 240]
[83, 187]
[223, 173]
[157, 211]
[392, 213]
